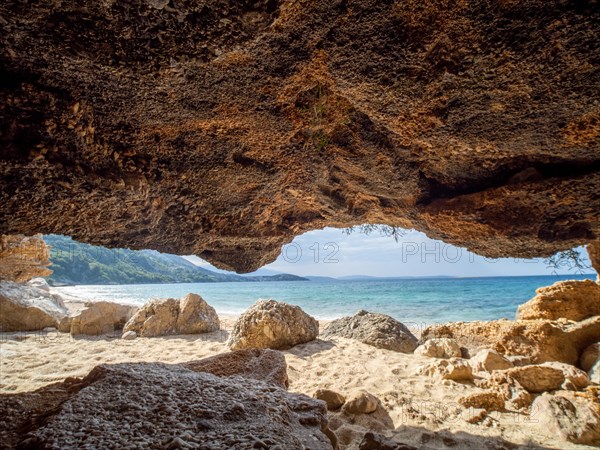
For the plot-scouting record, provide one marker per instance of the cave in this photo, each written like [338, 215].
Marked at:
[226, 129]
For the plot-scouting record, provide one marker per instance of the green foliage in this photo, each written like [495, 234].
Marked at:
[77, 263]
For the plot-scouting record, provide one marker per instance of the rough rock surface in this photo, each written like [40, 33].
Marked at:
[152, 405]
[593, 250]
[252, 122]
[487, 360]
[439, 348]
[39, 283]
[268, 366]
[361, 402]
[576, 418]
[334, 400]
[272, 324]
[161, 317]
[487, 400]
[378, 330]
[573, 300]
[374, 441]
[27, 308]
[456, 369]
[545, 377]
[101, 317]
[540, 340]
[22, 257]
[590, 356]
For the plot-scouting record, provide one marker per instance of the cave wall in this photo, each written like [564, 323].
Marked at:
[224, 129]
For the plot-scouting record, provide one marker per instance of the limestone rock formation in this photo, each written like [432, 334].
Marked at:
[573, 417]
[160, 317]
[361, 402]
[573, 300]
[272, 324]
[439, 348]
[22, 258]
[378, 330]
[252, 122]
[545, 377]
[334, 399]
[268, 366]
[487, 360]
[152, 405]
[27, 308]
[539, 340]
[487, 400]
[590, 356]
[593, 250]
[101, 317]
[456, 369]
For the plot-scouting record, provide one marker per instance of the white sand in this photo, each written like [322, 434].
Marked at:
[417, 406]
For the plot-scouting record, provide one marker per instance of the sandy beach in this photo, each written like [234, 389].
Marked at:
[417, 410]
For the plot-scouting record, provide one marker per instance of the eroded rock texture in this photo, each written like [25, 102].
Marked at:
[23, 258]
[223, 129]
[152, 405]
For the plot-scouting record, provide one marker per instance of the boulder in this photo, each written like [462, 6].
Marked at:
[162, 317]
[272, 324]
[268, 366]
[456, 369]
[334, 400]
[361, 402]
[439, 348]
[573, 300]
[590, 356]
[101, 317]
[129, 336]
[549, 376]
[378, 330]
[27, 308]
[153, 405]
[488, 400]
[573, 417]
[540, 340]
[489, 360]
[22, 258]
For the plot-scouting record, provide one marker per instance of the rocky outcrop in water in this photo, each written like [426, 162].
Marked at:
[573, 300]
[27, 308]
[272, 324]
[252, 122]
[161, 317]
[23, 258]
[378, 330]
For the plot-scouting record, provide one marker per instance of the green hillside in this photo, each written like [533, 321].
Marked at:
[77, 263]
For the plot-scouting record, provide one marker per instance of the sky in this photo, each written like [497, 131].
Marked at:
[331, 252]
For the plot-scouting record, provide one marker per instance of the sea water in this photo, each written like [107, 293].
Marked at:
[416, 301]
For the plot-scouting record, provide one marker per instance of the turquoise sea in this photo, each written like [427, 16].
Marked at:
[416, 301]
